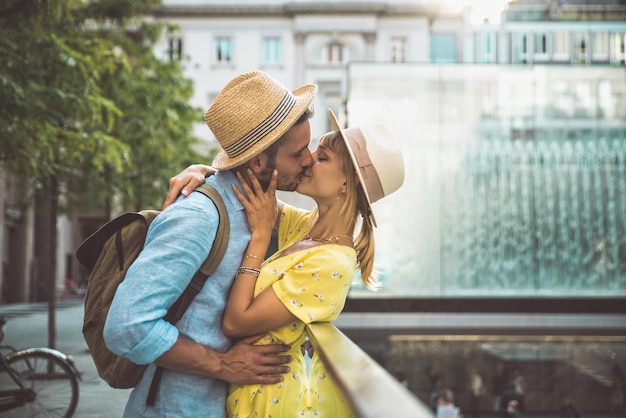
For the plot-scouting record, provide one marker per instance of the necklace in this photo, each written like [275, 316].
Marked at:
[307, 237]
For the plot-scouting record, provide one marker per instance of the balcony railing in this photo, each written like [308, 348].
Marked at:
[372, 391]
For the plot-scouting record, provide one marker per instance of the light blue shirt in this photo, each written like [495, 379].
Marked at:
[178, 241]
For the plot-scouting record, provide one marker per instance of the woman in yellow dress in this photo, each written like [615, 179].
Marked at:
[308, 279]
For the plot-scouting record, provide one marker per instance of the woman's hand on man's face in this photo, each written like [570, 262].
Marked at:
[261, 206]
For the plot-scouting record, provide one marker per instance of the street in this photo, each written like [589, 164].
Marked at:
[27, 326]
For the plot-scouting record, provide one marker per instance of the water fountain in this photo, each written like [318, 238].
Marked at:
[515, 179]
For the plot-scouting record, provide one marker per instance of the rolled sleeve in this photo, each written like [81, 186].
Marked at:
[162, 335]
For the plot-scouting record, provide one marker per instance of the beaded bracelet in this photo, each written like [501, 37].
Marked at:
[253, 256]
[248, 270]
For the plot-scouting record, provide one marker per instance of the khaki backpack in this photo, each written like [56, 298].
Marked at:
[107, 254]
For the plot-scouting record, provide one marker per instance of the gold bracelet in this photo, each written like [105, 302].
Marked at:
[248, 270]
[253, 256]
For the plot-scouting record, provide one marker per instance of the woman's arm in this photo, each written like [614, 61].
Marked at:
[246, 315]
[186, 181]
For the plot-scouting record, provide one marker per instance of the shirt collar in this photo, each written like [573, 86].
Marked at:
[224, 180]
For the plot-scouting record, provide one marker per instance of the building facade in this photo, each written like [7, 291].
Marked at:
[312, 42]
[296, 42]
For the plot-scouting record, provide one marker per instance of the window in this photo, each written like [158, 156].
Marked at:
[398, 49]
[174, 48]
[580, 47]
[334, 53]
[520, 48]
[442, 48]
[541, 43]
[271, 50]
[561, 46]
[541, 46]
[485, 47]
[600, 46]
[223, 50]
[618, 55]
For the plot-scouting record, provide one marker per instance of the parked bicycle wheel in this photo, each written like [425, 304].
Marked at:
[49, 378]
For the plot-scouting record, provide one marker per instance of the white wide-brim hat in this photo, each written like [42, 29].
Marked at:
[251, 113]
[376, 157]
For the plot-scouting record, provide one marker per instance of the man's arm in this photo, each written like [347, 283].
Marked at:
[135, 328]
[244, 363]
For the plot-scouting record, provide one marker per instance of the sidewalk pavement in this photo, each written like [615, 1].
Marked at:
[27, 326]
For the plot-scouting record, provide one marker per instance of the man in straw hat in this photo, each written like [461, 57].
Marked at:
[308, 279]
[261, 126]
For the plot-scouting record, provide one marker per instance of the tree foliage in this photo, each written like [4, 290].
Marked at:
[154, 121]
[83, 98]
[88, 113]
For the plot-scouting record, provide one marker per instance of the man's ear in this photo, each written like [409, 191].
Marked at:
[257, 163]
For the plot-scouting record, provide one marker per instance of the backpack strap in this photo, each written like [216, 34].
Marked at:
[90, 249]
[177, 310]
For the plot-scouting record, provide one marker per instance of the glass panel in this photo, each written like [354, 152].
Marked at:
[174, 48]
[271, 48]
[334, 53]
[619, 47]
[580, 48]
[398, 49]
[540, 49]
[515, 179]
[442, 48]
[561, 46]
[485, 372]
[541, 43]
[520, 48]
[485, 48]
[223, 50]
[600, 45]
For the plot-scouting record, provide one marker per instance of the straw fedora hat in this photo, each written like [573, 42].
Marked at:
[375, 155]
[251, 113]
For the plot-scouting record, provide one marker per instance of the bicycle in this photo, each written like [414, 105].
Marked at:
[36, 382]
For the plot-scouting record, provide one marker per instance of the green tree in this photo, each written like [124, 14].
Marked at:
[155, 122]
[83, 98]
[52, 103]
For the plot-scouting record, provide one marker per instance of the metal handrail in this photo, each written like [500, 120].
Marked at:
[372, 391]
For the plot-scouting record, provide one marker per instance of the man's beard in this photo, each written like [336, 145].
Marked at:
[266, 175]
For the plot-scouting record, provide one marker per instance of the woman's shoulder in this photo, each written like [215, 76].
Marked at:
[294, 223]
[332, 255]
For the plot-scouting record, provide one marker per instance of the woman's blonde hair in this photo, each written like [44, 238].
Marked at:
[355, 206]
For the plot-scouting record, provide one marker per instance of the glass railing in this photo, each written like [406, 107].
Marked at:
[373, 392]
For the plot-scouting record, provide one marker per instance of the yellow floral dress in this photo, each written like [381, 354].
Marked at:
[313, 284]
